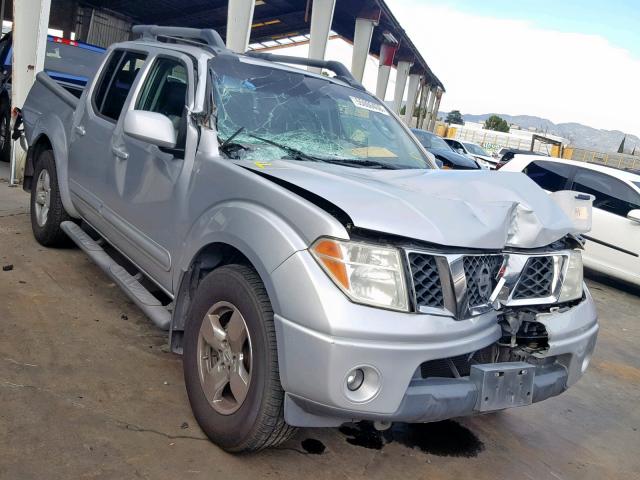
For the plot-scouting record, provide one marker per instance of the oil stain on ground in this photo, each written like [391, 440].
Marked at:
[313, 446]
[363, 435]
[446, 438]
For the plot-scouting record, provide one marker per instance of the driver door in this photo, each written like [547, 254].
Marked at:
[150, 182]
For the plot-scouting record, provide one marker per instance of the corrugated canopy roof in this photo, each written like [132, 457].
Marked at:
[273, 19]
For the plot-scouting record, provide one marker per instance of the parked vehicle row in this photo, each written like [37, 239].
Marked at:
[316, 267]
[443, 152]
[473, 150]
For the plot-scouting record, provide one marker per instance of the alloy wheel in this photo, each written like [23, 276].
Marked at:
[225, 358]
[43, 197]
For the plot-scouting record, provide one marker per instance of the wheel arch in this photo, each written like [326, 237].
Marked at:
[49, 134]
[209, 258]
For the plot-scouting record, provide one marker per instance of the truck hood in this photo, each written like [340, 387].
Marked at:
[471, 209]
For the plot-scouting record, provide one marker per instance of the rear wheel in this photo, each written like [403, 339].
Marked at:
[231, 362]
[47, 211]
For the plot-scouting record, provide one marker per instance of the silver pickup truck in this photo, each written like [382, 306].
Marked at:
[310, 261]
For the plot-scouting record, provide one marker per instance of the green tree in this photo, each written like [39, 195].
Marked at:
[494, 122]
[455, 116]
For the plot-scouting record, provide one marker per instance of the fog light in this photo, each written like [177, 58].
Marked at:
[355, 379]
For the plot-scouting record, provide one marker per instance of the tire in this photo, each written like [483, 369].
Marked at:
[5, 131]
[46, 195]
[257, 422]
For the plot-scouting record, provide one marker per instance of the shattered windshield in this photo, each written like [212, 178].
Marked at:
[270, 113]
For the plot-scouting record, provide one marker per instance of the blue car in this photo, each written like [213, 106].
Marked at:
[68, 62]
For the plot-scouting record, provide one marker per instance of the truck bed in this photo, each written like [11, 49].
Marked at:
[49, 103]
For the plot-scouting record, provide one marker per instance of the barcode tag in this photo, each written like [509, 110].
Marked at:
[368, 105]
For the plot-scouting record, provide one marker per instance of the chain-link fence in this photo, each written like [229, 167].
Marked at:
[617, 160]
[492, 141]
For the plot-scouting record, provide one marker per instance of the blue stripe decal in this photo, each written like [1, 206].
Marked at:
[66, 76]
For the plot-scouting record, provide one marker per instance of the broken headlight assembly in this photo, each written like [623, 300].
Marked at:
[573, 278]
[368, 274]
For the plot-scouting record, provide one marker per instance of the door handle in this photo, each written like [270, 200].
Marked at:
[120, 153]
[80, 130]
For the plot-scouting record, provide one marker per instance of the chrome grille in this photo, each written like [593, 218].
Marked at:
[536, 280]
[481, 272]
[426, 280]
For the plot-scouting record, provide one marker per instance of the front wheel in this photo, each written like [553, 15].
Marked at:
[47, 211]
[231, 362]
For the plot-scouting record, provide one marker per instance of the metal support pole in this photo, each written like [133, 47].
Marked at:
[361, 44]
[321, 20]
[436, 108]
[382, 81]
[239, 20]
[432, 100]
[412, 96]
[423, 104]
[387, 54]
[30, 24]
[402, 72]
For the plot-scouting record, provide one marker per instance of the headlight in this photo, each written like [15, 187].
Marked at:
[573, 278]
[367, 274]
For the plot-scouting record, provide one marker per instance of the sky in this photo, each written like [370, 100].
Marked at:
[565, 60]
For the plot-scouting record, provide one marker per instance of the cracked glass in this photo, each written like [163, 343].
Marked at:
[265, 113]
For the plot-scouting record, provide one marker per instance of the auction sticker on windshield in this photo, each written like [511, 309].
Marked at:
[367, 105]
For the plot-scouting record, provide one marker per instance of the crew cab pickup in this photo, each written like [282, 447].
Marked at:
[310, 262]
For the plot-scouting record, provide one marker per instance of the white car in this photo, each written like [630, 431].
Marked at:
[613, 245]
[474, 151]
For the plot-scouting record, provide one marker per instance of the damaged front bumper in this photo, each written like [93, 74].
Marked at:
[314, 363]
[433, 399]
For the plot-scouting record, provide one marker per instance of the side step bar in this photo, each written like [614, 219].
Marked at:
[139, 295]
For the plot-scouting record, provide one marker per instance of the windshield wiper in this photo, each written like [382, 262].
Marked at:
[300, 155]
[360, 163]
[229, 147]
[293, 152]
[296, 154]
[228, 141]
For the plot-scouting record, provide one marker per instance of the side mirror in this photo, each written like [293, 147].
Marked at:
[150, 127]
[634, 216]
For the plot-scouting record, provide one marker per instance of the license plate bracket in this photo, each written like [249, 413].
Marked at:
[503, 385]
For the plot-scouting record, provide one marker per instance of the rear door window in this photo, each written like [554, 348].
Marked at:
[551, 176]
[116, 82]
[611, 194]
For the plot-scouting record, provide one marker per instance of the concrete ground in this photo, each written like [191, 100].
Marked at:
[89, 390]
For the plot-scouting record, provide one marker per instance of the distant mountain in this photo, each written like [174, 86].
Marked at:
[579, 135]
